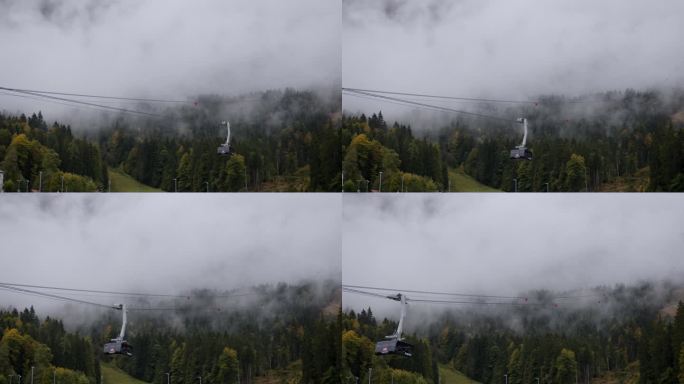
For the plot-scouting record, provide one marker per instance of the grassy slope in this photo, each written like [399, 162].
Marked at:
[628, 376]
[113, 375]
[299, 182]
[460, 182]
[451, 376]
[290, 374]
[636, 183]
[121, 182]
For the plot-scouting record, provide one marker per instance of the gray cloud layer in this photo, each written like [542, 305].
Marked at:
[167, 49]
[167, 243]
[509, 49]
[507, 244]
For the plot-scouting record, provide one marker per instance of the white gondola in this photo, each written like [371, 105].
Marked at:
[394, 344]
[119, 346]
[224, 149]
[521, 152]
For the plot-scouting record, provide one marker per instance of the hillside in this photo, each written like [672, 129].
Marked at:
[449, 375]
[121, 182]
[460, 182]
[114, 375]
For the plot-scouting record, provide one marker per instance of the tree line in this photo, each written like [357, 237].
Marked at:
[288, 330]
[629, 140]
[626, 337]
[282, 140]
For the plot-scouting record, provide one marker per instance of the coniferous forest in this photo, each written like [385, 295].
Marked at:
[625, 334]
[280, 141]
[288, 332]
[612, 141]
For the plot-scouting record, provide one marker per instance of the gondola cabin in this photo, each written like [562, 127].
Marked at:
[521, 153]
[118, 347]
[223, 150]
[393, 347]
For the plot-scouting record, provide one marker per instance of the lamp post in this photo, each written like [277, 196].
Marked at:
[402, 182]
[515, 185]
[40, 181]
[32, 374]
[168, 377]
[380, 187]
[207, 183]
[200, 377]
[547, 189]
[506, 377]
[61, 189]
[175, 184]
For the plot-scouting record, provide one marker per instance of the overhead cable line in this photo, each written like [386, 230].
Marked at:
[475, 302]
[434, 292]
[56, 297]
[141, 99]
[80, 102]
[443, 97]
[78, 301]
[93, 290]
[429, 106]
[86, 292]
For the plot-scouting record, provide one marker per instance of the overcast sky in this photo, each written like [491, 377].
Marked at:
[508, 49]
[505, 244]
[170, 49]
[167, 243]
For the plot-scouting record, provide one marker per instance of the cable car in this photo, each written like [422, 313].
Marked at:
[521, 152]
[119, 346]
[393, 347]
[224, 149]
[394, 344]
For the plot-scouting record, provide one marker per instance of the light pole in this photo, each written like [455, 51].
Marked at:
[370, 370]
[32, 374]
[515, 185]
[402, 182]
[342, 181]
[40, 181]
[506, 377]
[367, 182]
[54, 376]
[547, 189]
[536, 378]
[168, 377]
[175, 184]
[19, 376]
[11, 376]
[358, 186]
[61, 189]
[380, 188]
[200, 377]
[207, 183]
